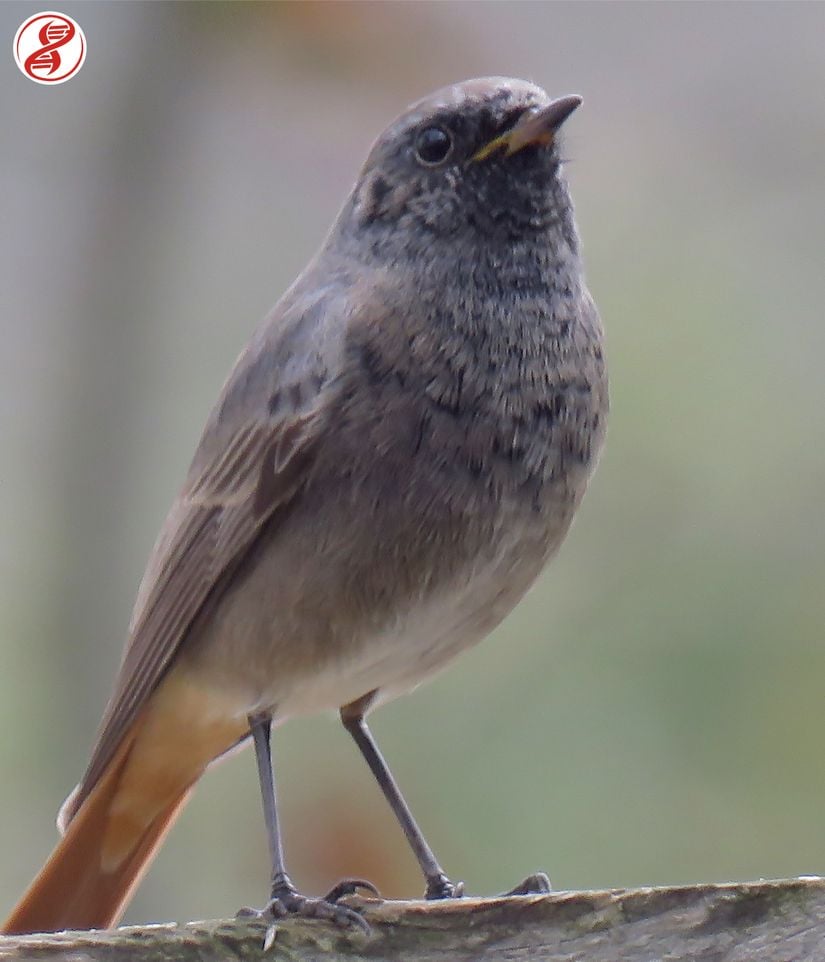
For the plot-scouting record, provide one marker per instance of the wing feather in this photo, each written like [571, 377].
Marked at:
[255, 454]
[212, 524]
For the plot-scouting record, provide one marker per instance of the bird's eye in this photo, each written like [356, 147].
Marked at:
[433, 145]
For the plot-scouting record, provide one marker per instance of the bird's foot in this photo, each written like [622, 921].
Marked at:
[286, 900]
[536, 884]
[440, 887]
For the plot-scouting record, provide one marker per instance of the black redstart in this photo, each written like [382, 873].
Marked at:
[396, 455]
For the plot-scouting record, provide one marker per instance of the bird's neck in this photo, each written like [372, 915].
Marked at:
[519, 251]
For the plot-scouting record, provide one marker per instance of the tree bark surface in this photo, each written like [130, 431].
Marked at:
[777, 921]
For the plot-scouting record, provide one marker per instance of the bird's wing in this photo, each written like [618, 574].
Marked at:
[249, 464]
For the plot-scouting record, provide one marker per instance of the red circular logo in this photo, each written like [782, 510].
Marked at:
[49, 48]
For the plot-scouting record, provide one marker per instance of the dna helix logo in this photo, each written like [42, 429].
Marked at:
[53, 35]
[49, 47]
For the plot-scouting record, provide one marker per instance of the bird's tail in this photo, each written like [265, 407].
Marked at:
[78, 888]
[111, 839]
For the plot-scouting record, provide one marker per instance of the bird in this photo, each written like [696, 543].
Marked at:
[397, 453]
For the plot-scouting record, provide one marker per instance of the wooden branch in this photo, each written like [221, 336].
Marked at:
[781, 921]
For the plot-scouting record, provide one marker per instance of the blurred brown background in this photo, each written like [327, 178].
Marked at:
[654, 711]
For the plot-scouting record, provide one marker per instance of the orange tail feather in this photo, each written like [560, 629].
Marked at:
[111, 839]
[73, 889]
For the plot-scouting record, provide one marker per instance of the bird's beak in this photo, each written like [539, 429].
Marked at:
[534, 127]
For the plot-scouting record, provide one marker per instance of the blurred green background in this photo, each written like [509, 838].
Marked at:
[653, 712]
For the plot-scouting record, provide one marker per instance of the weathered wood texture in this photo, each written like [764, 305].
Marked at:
[781, 921]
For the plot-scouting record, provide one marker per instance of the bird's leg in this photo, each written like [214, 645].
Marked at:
[439, 885]
[285, 899]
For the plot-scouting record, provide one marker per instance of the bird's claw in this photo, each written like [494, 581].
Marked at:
[287, 901]
[293, 903]
[536, 884]
[351, 886]
[440, 887]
